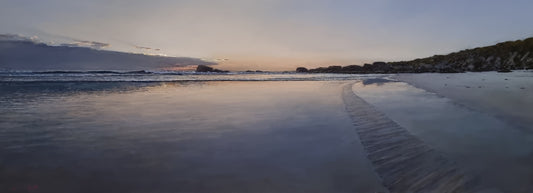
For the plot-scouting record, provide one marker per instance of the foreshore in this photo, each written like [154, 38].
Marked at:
[503, 95]
[265, 133]
[477, 119]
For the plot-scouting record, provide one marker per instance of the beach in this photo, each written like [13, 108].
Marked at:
[196, 96]
[264, 132]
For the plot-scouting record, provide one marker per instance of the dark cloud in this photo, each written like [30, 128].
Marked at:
[20, 53]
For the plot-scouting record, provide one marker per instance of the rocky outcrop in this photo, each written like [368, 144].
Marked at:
[204, 68]
[376, 67]
[330, 69]
[301, 69]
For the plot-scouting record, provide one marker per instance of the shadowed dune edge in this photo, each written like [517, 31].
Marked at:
[404, 162]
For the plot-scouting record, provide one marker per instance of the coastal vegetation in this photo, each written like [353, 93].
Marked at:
[502, 57]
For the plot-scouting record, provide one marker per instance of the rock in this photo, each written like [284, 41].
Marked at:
[204, 68]
[504, 70]
[352, 69]
[301, 69]
[333, 69]
[381, 67]
[329, 69]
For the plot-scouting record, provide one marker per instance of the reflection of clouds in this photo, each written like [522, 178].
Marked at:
[30, 90]
[188, 114]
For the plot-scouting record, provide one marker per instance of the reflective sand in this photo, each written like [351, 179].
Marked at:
[180, 137]
[499, 153]
[507, 96]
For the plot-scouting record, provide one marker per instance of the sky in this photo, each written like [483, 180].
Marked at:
[273, 34]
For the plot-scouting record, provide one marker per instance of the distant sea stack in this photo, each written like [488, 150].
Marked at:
[205, 68]
[301, 69]
[502, 57]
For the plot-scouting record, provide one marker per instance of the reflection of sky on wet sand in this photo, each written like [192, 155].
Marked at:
[500, 153]
[180, 137]
[504, 95]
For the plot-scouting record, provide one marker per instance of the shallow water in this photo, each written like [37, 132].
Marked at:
[500, 154]
[179, 137]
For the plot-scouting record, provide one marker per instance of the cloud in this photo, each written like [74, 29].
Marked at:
[35, 39]
[143, 48]
[146, 48]
[17, 37]
[90, 44]
[21, 55]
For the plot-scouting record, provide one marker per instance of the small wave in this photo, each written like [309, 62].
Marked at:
[164, 76]
[93, 72]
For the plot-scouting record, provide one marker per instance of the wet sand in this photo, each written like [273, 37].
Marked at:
[506, 96]
[499, 153]
[403, 161]
[181, 137]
